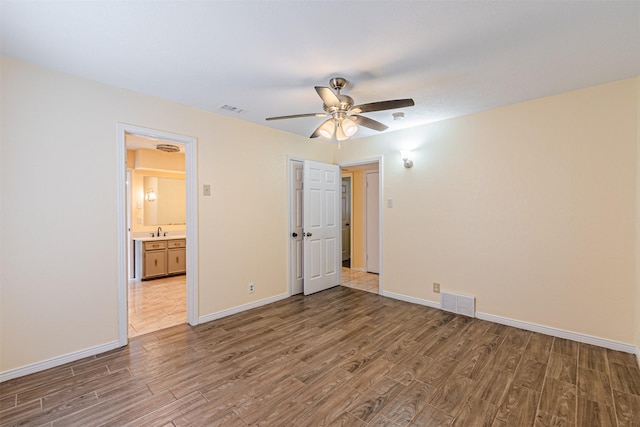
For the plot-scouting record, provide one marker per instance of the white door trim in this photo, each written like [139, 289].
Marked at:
[190, 144]
[380, 161]
[290, 267]
[295, 211]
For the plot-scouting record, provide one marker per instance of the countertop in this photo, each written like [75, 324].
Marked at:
[150, 239]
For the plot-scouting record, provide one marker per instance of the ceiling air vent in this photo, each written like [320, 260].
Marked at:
[232, 109]
[169, 148]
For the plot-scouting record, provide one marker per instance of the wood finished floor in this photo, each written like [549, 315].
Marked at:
[162, 303]
[339, 357]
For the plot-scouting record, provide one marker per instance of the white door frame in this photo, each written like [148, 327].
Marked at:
[293, 261]
[190, 144]
[290, 266]
[379, 160]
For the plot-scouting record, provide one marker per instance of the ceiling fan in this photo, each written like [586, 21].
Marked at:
[344, 115]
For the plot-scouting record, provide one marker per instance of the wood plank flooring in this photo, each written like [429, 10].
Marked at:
[161, 303]
[339, 357]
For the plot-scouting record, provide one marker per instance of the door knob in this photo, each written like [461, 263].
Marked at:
[308, 234]
[294, 234]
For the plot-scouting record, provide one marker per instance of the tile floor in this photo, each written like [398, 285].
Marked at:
[157, 304]
[360, 280]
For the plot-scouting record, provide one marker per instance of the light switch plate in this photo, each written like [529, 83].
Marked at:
[206, 190]
[389, 202]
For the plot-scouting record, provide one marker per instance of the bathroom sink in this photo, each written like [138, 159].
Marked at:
[149, 238]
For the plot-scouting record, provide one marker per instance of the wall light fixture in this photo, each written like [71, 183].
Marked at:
[406, 158]
[150, 195]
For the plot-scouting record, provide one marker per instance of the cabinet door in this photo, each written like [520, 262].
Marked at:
[176, 263]
[155, 264]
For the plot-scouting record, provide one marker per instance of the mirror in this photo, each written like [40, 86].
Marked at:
[165, 201]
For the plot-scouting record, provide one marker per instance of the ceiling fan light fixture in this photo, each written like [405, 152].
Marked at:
[341, 108]
[349, 127]
[327, 129]
[340, 134]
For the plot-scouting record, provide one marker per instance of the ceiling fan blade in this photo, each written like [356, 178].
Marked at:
[385, 105]
[328, 97]
[369, 123]
[295, 116]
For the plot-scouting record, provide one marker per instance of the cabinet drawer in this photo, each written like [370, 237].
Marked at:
[177, 243]
[152, 246]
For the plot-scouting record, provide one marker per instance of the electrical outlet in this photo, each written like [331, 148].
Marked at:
[436, 287]
[251, 288]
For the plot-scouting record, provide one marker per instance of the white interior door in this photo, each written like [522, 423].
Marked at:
[296, 238]
[372, 222]
[322, 226]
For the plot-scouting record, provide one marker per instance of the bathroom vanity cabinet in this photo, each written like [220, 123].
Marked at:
[176, 257]
[159, 257]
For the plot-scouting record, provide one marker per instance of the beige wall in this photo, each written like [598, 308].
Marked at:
[357, 197]
[531, 208]
[637, 306]
[58, 270]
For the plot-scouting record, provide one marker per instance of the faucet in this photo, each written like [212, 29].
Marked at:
[159, 231]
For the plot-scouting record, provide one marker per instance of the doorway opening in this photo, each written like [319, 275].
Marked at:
[314, 226]
[156, 225]
[361, 220]
[157, 214]
[350, 200]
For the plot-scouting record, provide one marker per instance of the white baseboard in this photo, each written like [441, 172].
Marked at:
[560, 333]
[72, 357]
[241, 308]
[57, 361]
[587, 339]
[546, 330]
[413, 300]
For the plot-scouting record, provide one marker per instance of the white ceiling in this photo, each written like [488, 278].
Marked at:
[136, 142]
[265, 57]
